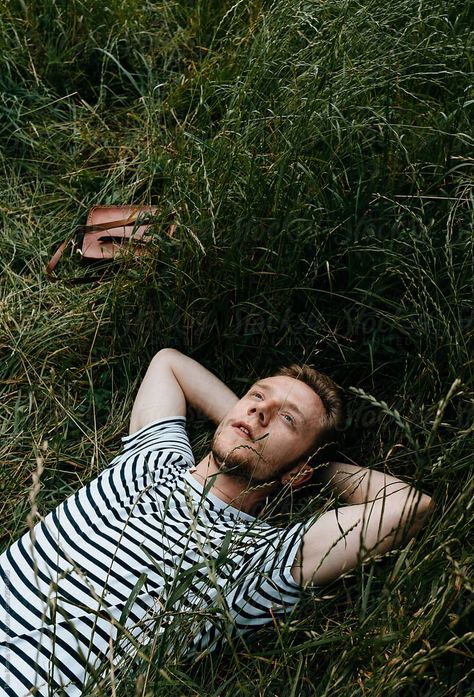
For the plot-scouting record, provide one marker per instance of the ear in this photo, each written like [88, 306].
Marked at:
[298, 475]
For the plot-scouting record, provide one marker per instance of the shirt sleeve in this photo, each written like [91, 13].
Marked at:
[277, 568]
[272, 591]
[155, 438]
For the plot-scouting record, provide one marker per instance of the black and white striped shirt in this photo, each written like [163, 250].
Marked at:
[113, 566]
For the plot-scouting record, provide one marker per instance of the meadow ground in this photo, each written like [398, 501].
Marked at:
[317, 160]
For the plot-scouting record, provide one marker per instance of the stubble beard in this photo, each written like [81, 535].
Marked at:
[242, 462]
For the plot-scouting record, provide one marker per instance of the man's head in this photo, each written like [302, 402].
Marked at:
[330, 396]
[271, 433]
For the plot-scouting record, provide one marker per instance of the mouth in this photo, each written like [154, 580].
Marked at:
[244, 429]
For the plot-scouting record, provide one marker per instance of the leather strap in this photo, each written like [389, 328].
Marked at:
[55, 258]
[126, 222]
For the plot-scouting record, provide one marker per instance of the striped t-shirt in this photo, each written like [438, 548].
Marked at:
[137, 552]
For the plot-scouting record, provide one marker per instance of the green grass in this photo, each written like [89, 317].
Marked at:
[317, 158]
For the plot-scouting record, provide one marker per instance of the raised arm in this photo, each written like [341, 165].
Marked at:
[385, 512]
[174, 382]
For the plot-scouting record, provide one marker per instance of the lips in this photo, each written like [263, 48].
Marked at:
[244, 429]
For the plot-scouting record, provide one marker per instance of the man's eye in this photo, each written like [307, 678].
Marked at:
[258, 395]
[288, 418]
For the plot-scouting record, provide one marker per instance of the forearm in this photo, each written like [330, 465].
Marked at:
[202, 390]
[384, 513]
[360, 485]
[175, 382]
[355, 484]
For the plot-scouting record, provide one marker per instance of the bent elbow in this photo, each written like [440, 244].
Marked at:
[424, 505]
[165, 353]
[424, 509]
[427, 506]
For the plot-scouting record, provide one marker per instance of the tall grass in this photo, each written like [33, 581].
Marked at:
[317, 158]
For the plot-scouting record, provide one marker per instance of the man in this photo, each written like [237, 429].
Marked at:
[156, 539]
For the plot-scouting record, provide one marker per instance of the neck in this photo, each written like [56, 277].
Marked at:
[232, 490]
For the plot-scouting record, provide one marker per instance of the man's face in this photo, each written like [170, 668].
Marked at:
[269, 430]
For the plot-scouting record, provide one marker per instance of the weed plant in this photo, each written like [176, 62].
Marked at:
[317, 159]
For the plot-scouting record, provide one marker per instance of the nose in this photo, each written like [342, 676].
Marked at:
[263, 410]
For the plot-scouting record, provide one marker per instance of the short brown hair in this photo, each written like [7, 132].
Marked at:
[329, 394]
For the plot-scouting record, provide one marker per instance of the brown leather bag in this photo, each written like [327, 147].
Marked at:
[111, 231]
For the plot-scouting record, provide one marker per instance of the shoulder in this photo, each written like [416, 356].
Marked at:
[168, 434]
[272, 551]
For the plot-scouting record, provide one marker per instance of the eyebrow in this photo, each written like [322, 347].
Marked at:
[291, 405]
